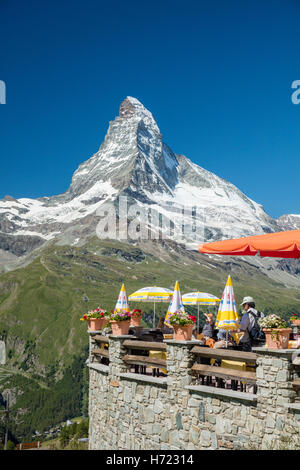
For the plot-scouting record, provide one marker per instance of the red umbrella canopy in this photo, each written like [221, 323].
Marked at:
[278, 245]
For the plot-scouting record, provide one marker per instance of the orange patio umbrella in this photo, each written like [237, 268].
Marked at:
[278, 245]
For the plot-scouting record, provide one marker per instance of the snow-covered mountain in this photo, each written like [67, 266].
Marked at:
[289, 222]
[132, 161]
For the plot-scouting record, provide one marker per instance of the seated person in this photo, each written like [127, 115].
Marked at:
[209, 326]
[166, 330]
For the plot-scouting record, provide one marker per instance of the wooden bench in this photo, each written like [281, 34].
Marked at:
[29, 445]
[100, 352]
[100, 339]
[141, 360]
[207, 371]
[146, 345]
[229, 354]
[224, 373]
[145, 361]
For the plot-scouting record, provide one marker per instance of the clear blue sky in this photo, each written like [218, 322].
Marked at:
[216, 75]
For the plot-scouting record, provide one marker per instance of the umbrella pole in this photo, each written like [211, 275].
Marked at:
[198, 320]
[154, 316]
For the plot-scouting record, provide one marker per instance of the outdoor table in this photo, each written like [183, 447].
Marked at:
[159, 355]
[233, 364]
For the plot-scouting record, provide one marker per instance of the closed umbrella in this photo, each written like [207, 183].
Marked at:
[175, 304]
[151, 294]
[199, 298]
[227, 318]
[122, 303]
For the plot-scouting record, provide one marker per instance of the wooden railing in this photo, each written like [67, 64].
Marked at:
[102, 349]
[215, 367]
[296, 387]
[212, 367]
[143, 357]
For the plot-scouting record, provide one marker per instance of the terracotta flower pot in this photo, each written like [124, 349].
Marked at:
[96, 324]
[296, 322]
[277, 338]
[120, 328]
[135, 321]
[183, 332]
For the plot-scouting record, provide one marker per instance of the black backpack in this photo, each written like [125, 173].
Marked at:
[256, 333]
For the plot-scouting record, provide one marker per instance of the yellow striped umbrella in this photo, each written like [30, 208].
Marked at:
[199, 298]
[175, 304]
[151, 294]
[227, 318]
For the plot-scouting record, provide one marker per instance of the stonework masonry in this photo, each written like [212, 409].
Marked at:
[134, 412]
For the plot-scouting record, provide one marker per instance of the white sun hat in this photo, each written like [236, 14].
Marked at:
[247, 300]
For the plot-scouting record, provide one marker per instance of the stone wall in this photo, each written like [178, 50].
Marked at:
[134, 411]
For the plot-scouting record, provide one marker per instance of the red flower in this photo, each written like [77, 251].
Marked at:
[192, 317]
[136, 313]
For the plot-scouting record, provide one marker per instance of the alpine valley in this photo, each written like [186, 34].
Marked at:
[54, 266]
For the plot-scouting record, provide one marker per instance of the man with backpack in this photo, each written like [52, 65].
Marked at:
[253, 334]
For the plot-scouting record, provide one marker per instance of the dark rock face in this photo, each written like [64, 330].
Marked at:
[134, 256]
[9, 198]
[20, 245]
[6, 225]
[292, 266]
[127, 109]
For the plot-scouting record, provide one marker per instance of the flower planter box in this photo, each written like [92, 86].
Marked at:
[183, 332]
[120, 328]
[135, 321]
[96, 324]
[277, 338]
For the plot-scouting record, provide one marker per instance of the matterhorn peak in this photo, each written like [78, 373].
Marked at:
[133, 108]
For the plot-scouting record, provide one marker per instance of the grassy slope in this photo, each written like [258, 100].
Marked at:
[43, 301]
[40, 305]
